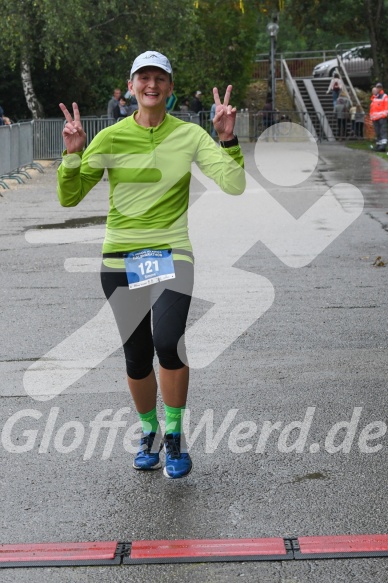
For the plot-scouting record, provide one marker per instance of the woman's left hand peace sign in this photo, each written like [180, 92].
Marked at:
[225, 116]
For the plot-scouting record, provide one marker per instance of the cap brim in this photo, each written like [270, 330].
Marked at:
[147, 65]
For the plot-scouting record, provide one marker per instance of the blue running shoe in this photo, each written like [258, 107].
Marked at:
[178, 462]
[147, 458]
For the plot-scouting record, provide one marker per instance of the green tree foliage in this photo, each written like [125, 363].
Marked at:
[81, 49]
[223, 51]
[348, 20]
[376, 13]
[53, 35]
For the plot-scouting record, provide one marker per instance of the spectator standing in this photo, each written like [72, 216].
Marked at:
[352, 113]
[336, 86]
[132, 106]
[114, 100]
[213, 132]
[359, 122]
[341, 110]
[121, 109]
[378, 115]
[268, 114]
[185, 106]
[196, 103]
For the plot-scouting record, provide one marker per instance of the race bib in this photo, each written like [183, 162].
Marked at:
[148, 266]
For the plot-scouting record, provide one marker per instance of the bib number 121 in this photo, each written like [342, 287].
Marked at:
[149, 266]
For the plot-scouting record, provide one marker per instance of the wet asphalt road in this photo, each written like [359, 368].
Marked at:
[319, 350]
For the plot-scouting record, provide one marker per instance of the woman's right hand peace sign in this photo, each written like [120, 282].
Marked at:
[73, 132]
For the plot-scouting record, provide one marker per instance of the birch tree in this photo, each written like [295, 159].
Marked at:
[51, 30]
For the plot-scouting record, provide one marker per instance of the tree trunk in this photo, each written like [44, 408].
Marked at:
[376, 23]
[33, 103]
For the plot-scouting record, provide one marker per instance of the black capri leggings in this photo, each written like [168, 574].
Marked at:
[170, 302]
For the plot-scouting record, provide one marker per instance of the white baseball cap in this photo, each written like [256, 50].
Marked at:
[151, 59]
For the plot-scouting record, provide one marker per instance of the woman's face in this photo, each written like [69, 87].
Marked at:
[151, 86]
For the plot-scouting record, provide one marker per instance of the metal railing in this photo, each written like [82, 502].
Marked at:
[47, 133]
[299, 64]
[16, 152]
[262, 121]
[356, 57]
[348, 128]
[297, 100]
[348, 86]
[48, 140]
[22, 143]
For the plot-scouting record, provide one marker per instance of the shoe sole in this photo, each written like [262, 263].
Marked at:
[152, 469]
[176, 477]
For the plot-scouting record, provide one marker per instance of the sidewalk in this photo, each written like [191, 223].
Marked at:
[279, 465]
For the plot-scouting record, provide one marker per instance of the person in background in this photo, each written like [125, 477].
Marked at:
[185, 105]
[121, 109]
[213, 132]
[336, 86]
[352, 114]
[378, 113]
[341, 111]
[268, 114]
[196, 106]
[196, 103]
[359, 122]
[114, 100]
[1, 116]
[132, 105]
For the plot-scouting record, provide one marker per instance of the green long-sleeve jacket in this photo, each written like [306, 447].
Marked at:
[149, 171]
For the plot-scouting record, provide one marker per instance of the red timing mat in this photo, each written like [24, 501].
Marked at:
[111, 553]
[207, 549]
[49, 553]
[351, 544]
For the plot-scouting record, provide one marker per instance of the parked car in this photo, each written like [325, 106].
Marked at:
[357, 61]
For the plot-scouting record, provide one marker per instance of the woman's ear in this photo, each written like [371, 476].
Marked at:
[130, 87]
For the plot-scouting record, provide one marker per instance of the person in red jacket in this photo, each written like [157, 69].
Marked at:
[378, 115]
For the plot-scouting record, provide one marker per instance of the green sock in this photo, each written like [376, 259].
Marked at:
[149, 421]
[174, 417]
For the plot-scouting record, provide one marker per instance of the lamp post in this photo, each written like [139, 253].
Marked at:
[272, 29]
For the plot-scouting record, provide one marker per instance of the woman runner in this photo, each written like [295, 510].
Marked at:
[147, 263]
